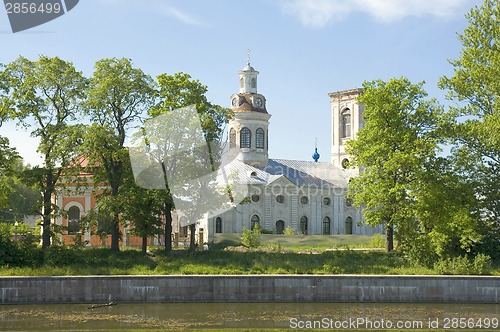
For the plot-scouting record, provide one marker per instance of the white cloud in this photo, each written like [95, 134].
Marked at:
[318, 13]
[156, 6]
[177, 14]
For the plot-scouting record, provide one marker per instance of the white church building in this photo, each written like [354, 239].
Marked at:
[308, 196]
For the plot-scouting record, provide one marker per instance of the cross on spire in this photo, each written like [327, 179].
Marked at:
[248, 57]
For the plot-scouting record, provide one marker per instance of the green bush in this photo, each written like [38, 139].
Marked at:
[251, 238]
[481, 264]
[377, 241]
[63, 256]
[18, 246]
[289, 231]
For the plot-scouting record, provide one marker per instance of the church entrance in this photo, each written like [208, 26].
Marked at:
[280, 227]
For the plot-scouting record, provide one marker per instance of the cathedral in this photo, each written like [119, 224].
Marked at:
[281, 196]
[304, 197]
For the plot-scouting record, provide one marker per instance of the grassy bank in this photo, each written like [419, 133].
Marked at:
[67, 261]
[277, 255]
[307, 242]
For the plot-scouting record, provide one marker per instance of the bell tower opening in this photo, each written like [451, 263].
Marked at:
[347, 120]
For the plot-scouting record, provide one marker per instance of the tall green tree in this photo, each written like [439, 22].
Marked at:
[46, 95]
[476, 127]
[8, 157]
[119, 96]
[177, 91]
[398, 139]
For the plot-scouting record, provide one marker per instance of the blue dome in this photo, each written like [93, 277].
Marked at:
[316, 155]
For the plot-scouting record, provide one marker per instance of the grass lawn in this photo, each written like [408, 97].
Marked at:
[279, 255]
[305, 242]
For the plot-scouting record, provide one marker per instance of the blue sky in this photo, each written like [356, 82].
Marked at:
[303, 49]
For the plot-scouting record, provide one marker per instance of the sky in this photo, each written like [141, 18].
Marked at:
[303, 49]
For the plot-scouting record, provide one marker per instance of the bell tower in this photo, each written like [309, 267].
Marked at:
[347, 120]
[248, 129]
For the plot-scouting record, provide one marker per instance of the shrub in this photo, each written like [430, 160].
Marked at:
[18, 246]
[62, 256]
[481, 264]
[288, 231]
[251, 238]
[78, 242]
[377, 241]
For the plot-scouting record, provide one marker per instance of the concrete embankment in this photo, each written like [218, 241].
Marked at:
[251, 288]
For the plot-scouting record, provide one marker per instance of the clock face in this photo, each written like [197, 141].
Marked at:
[258, 102]
[235, 101]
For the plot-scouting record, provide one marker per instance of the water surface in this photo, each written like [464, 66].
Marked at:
[78, 317]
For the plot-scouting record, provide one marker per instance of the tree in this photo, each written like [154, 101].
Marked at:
[118, 97]
[8, 158]
[8, 155]
[47, 95]
[22, 198]
[476, 126]
[398, 139]
[175, 92]
[143, 208]
[447, 223]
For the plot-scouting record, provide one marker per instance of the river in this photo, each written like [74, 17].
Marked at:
[218, 316]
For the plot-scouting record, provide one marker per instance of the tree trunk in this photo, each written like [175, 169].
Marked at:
[389, 238]
[192, 237]
[46, 231]
[115, 233]
[47, 210]
[144, 244]
[115, 227]
[168, 228]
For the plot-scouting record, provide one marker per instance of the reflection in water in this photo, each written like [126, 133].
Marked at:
[79, 317]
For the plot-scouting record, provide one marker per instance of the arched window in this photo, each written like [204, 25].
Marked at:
[346, 123]
[73, 220]
[218, 225]
[303, 225]
[280, 227]
[259, 138]
[254, 83]
[232, 138]
[348, 225]
[280, 199]
[254, 221]
[245, 138]
[326, 226]
[242, 83]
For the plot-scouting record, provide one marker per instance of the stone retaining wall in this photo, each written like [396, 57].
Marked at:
[252, 288]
